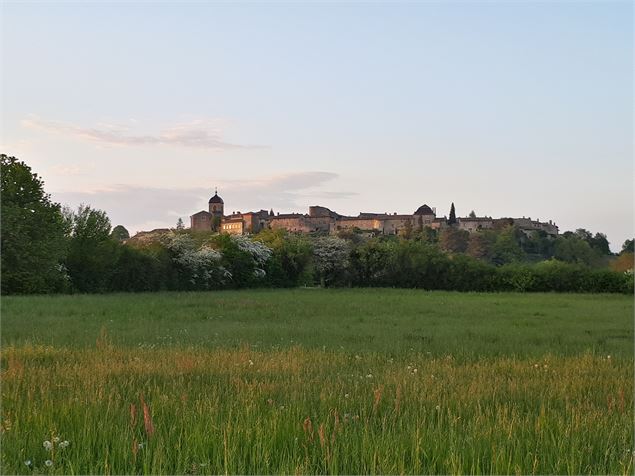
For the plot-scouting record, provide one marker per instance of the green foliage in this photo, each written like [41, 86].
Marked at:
[426, 234]
[573, 249]
[506, 248]
[237, 261]
[119, 233]
[290, 264]
[136, 271]
[92, 253]
[452, 218]
[33, 233]
[628, 246]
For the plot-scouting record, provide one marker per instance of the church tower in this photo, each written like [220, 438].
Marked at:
[216, 209]
[216, 205]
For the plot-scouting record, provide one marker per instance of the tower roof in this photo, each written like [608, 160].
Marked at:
[216, 198]
[424, 210]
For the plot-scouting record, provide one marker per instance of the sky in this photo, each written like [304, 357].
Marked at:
[510, 108]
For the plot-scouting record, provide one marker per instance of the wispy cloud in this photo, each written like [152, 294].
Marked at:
[139, 207]
[200, 133]
[67, 170]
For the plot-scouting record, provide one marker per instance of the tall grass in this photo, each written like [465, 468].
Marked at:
[311, 411]
[260, 407]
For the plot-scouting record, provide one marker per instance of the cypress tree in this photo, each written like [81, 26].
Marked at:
[452, 219]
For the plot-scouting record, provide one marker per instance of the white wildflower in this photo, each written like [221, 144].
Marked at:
[48, 462]
[28, 462]
[47, 445]
[64, 444]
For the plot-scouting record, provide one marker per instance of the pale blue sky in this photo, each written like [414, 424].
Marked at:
[510, 109]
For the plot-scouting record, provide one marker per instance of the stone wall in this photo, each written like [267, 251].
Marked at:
[201, 221]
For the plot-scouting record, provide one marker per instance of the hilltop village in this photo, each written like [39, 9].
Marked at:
[321, 219]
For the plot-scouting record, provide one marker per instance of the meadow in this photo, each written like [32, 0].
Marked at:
[342, 381]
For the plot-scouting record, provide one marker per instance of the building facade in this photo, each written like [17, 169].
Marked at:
[322, 220]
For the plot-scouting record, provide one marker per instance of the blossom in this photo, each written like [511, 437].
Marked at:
[330, 254]
[56, 439]
[202, 264]
[258, 251]
[64, 444]
[48, 462]
[28, 462]
[47, 445]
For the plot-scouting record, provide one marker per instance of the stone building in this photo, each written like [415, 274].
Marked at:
[211, 219]
[322, 220]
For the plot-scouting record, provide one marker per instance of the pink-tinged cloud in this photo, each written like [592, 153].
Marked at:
[201, 134]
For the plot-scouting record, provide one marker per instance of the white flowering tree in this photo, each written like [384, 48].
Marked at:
[330, 258]
[259, 252]
[201, 267]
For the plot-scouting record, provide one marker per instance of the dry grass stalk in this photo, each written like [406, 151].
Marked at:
[307, 426]
[378, 392]
[133, 415]
[147, 418]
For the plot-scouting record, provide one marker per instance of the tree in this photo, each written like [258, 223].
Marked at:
[452, 219]
[33, 232]
[406, 232]
[481, 244]
[628, 246]
[92, 254]
[571, 248]
[601, 244]
[331, 259]
[507, 248]
[624, 262]
[472, 214]
[453, 240]
[179, 224]
[120, 233]
[290, 263]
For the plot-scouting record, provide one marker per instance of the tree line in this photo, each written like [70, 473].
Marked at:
[47, 248]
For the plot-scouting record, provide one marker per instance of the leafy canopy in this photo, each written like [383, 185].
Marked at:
[33, 232]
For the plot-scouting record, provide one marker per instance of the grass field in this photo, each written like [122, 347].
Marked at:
[318, 381]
